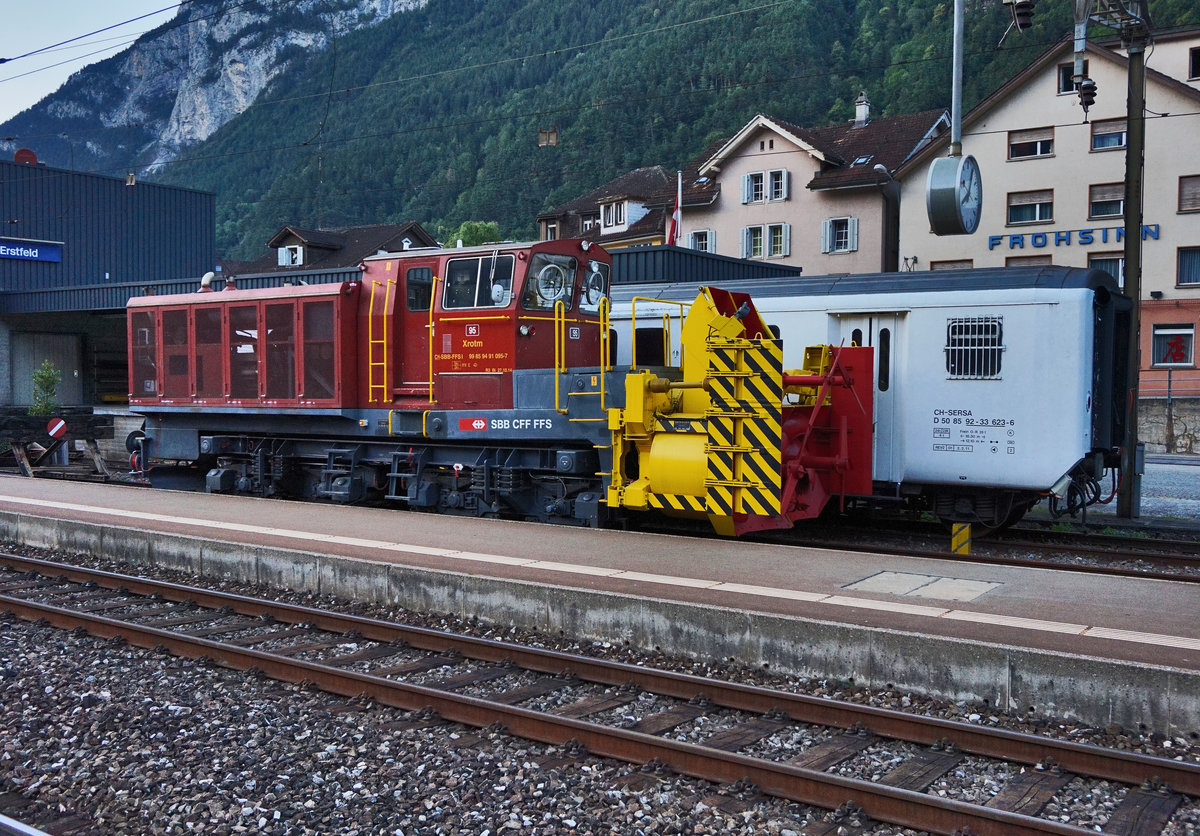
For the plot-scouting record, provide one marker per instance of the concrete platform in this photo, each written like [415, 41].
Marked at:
[1099, 650]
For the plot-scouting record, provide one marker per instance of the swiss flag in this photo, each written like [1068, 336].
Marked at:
[677, 215]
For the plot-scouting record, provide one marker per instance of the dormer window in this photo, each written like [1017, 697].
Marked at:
[614, 214]
[863, 160]
[291, 255]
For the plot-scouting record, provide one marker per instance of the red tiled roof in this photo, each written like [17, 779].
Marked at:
[337, 247]
[888, 142]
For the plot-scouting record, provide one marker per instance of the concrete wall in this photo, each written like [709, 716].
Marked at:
[1169, 428]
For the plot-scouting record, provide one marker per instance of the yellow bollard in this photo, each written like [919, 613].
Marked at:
[960, 538]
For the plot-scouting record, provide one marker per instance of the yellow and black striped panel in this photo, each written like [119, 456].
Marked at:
[761, 465]
[676, 502]
[744, 433]
[681, 425]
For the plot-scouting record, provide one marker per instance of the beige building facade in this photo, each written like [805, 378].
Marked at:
[821, 199]
[1053, 189]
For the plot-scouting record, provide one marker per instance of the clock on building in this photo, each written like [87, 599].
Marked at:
[954, 195]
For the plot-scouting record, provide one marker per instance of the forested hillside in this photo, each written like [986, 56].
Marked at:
[433, 114]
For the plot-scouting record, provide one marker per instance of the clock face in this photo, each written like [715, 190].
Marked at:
[954, 196]
[969, 194]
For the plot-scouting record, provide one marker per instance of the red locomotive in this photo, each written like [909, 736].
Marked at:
[479, 381]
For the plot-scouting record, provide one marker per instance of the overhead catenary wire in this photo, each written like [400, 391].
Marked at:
[329, 92]
[96, 32]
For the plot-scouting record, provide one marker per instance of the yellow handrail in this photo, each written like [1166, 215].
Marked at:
[560, 349]
[432, 301]
[605, 351]
[372, 341]
[666, 330]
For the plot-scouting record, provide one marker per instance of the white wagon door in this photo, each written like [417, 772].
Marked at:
[881, 331]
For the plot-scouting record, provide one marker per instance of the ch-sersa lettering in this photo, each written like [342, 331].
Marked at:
[961, 412]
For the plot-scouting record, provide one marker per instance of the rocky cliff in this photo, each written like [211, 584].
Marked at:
[179, 83]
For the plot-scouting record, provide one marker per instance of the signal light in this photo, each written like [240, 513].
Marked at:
[1087, 93]
[1022, 13]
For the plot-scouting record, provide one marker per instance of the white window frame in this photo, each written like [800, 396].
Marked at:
[1109, 127]
[839, 235]
[1106, 193]
[777, 241]
[1044, 213]
[551, 230]
[753, 241]
[1039, 140]
[754, 187]
[779, 184]
[291, 256]
[702, 240]
[613, 214]
[1116, 258]
[1193, 253]
[1164, 339]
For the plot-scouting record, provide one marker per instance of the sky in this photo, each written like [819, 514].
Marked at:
[29, 25]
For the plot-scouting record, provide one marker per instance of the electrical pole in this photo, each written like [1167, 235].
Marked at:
[1132, 19]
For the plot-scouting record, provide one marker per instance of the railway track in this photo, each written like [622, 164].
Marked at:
[610, 709]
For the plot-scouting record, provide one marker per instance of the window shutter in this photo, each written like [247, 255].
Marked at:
[1031, 135]
[745, 190]
[712, 240]
[826, 236]
[1026, 198]
[852, 223]
[1108, 191]
[1189, 193]
[1109, 126]
[745, 242]
[787, 236]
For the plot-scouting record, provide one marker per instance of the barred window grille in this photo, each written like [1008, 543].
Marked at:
[974, 347]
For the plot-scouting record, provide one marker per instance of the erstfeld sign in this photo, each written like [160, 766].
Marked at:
[24, 250]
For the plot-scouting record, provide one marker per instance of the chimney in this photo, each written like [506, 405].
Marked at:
[862, 110]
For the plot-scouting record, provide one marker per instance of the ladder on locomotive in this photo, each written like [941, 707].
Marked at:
[377, 342]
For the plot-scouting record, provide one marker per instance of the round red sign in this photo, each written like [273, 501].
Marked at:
[57, 428]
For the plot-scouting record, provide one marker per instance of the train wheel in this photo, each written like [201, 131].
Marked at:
[1004, 511]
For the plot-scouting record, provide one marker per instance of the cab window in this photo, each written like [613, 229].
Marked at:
[551, 279]
[595, 286]
[478, 282]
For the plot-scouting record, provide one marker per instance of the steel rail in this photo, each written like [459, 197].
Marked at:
[887, 804]
[1123, 766]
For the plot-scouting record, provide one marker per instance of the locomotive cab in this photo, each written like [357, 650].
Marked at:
[450, 327]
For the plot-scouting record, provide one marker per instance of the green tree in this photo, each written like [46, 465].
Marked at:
[45, 387]
[471, 233]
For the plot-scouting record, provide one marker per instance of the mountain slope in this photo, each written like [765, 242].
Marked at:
[336, 112]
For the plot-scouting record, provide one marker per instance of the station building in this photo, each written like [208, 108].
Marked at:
[73, 248]
[1053, 193]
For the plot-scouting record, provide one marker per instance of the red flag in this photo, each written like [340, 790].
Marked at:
[677, 215]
